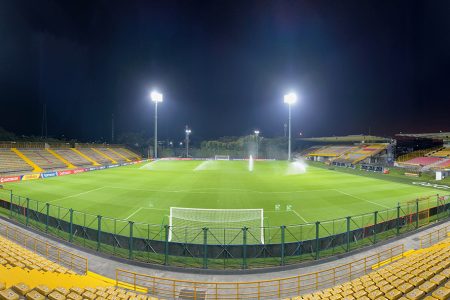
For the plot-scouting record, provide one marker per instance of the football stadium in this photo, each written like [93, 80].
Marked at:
[222, 210]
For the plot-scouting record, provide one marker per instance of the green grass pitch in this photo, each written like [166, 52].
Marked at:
[145, 192]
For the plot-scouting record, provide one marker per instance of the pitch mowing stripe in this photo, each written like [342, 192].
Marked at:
[359, 198]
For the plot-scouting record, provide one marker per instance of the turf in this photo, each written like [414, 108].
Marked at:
[145, 192]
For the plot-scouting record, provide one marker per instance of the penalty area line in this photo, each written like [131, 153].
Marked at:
[359, 198]
[75, 195]
[298, 215]
[135, 212]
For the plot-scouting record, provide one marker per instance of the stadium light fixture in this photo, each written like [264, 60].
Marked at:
[156, 97]
[257, 142]
[187, 131]
[290, 99]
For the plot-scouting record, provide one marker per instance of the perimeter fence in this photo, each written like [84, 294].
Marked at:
[242, 247]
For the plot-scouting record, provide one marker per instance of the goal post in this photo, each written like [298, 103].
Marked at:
[224, 225]
[221, 157]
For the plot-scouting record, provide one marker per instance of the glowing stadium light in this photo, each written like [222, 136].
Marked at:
[187, 131]
[290, 98]
[156, 97]
[257, 143]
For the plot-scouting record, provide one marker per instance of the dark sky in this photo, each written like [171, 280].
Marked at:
[224, 66]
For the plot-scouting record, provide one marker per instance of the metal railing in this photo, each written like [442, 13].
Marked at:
[264, 289]
[231, 248]
[71, 261]
[434, 237]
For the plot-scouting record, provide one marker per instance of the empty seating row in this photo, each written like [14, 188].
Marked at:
[73, 157]
[43, 159]
[424, 275]
[95, 155]
[127, 153]
[42, 292]
[442, 153]
[10, 162]
[423, 161]
[362, 153]
[332, 151]
[13, 255]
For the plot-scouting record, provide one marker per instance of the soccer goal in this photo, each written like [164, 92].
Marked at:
[222, 157]
[224, 225]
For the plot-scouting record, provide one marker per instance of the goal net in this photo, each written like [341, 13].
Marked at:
[224, 226]
[222, 157]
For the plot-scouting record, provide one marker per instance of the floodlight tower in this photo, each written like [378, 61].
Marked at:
[257, 142]
[156, 97]
[290, 99]
[187, 131]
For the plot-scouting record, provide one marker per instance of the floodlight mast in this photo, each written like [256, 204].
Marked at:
[257, 142]
[156, 97]
[187, 131]
[290, 99]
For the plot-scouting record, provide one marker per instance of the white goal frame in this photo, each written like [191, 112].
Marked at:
[221, 157]
[260, 210]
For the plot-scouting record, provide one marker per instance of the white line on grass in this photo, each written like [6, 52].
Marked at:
[135, 212]
[298, 215]
[359, 198]
[76, 195]
[213, 190]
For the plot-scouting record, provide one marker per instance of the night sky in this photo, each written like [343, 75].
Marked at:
[224, 66]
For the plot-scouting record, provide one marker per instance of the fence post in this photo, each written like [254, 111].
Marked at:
[437, 207]
[317, 239]
[244, 248]
[99, 230]
[71, 225]
[130, 242]
[398, 218]
[205, 248]
[166, 245]
[348, 234]
[375, 222]
[47, 205]
[27, 214]
[283, 228]
[417, 213]
[11, 205]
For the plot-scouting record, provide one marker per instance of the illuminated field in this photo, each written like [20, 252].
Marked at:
[144, 193]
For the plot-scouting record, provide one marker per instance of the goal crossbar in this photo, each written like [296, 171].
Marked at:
[218, 221]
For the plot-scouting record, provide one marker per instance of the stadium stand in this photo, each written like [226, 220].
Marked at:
[10, 162]
[422, 161]
[359, 154]
[44, 159]
[417, 153]
[95, 155]
[111, 153]
[127, 153]
[445, 152]
[73, 157]
[332, 151]
[424, 274]
[443, 164]
[25, 274]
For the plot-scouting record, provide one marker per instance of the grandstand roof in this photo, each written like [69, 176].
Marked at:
[437, 135]
[355, 138]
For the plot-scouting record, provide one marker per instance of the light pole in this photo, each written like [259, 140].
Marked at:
[187, 131]
[156, 97]
[257, 142]
[290, 99]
